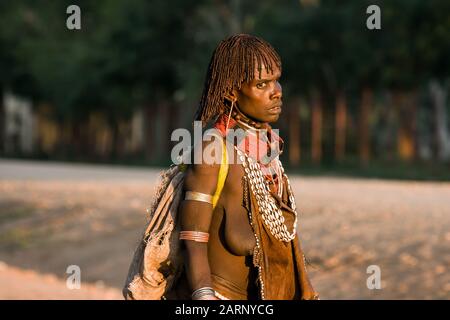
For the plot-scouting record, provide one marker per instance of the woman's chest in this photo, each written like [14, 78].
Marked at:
[235, 227]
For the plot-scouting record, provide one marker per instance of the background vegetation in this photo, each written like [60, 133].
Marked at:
[358, 101]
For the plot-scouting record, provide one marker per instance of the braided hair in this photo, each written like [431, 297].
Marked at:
[233, 62]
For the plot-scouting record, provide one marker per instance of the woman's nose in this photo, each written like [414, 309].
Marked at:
[277, 91]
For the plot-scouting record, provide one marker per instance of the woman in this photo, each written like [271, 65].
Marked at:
[245, 245]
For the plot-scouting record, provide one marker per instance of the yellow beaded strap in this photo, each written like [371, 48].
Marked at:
[223, 171]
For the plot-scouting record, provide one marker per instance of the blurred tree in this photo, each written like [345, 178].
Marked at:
[124, 56]
[415, 47]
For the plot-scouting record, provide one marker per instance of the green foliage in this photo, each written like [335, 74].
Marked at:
[133, 52]
[136, 53]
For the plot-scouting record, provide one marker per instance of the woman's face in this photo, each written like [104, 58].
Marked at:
[260, 99]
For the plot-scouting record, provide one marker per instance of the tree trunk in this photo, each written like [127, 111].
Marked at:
[2, 123]
[405, 104]
[173, 123]
[389, 127]
[77, 142]
[149, 127]
[364, 129]
[341, 126]
[441, 133]
[163, 136]
[115, 139]
[294, 133]
[316, 128]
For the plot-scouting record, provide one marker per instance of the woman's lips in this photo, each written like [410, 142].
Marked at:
[275, 110]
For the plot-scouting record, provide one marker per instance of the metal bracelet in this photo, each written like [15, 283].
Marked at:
[198, 196]
[203, 292]
[194, 236]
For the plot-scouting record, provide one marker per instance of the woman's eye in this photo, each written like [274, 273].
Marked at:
[260, 85]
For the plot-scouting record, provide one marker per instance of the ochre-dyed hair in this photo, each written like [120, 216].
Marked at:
[233, 62]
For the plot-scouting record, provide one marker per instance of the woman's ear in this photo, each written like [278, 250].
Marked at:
[231, 96]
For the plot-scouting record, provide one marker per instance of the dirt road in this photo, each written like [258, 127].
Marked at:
[55, 215]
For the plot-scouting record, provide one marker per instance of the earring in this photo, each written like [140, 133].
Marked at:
[229, 114]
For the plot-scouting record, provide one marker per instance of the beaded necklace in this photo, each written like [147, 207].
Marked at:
[260, 177]
[272, 215]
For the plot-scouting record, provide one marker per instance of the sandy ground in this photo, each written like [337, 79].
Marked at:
[29, 285]
[56, 215]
